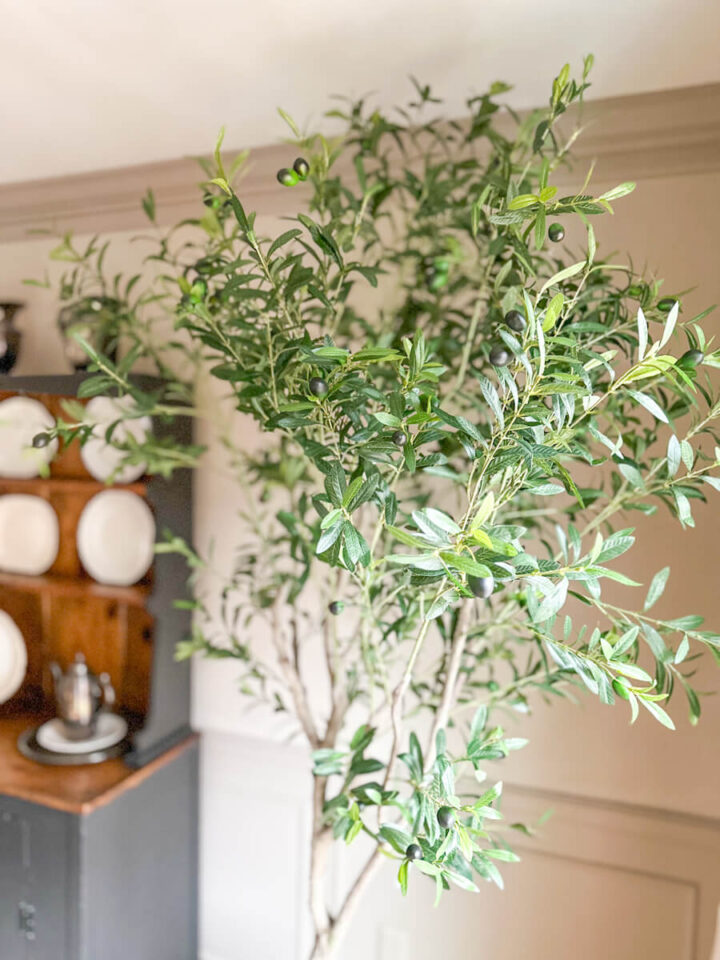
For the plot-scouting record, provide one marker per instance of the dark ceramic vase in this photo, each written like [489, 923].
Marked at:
[10, 336]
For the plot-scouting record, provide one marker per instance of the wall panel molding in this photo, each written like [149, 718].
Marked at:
[650, 843]
[659, 134]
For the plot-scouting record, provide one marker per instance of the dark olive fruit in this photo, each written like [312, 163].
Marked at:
[288, 178]
[318, 386]
[336, 607]
[301, 168]
[446, 817]
[620, 689]
[414, 852]
[515, 320]
[691, 358]
[556, 232]
[481, 586]
[666, 304]
[398, 438]
[41, 440]
[499, 356]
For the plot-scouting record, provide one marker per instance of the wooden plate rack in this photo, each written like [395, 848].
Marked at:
[130, 632]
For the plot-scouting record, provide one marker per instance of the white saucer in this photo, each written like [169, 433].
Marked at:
[110, 730]
[21, 418]
[103, 460]
[13, 657]
[29, 534]
[116, 537]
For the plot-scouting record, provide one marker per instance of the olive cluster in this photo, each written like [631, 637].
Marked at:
[436, 272]
[300, 171]
[499, 356]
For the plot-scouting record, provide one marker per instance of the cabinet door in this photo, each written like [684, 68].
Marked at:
[38, 888]
[14, 943]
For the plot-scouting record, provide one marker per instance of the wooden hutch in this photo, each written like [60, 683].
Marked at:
[100, 862]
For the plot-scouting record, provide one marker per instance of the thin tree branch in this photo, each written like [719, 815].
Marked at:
[442, 714]
[292, 678]
[396, 710]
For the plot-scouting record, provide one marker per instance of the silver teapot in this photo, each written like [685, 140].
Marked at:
[80, 696]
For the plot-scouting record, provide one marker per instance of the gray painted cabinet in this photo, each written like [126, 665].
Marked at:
[116, 883]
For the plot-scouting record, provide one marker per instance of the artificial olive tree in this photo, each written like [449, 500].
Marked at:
[435, 375]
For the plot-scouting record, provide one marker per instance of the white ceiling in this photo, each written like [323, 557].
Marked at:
[91, 84]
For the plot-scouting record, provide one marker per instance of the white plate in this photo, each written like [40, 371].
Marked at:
[21, 418]
[110, 730]
[116, 537]
[29, 534]
[103, 460]
[13, 657]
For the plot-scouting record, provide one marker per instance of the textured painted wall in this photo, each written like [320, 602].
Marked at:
[669, 224]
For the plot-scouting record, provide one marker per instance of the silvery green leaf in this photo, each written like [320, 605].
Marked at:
[657, 586]
[553, 602]
[652, 406]
[670, 324]
[642, 333]
[657, 711]
[682, 650]
[687, 454]
[564, 274]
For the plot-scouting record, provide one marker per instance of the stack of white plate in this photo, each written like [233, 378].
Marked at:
[110, 730]
[13, 657]
[29, 534]
[102, 459]
[21, 419]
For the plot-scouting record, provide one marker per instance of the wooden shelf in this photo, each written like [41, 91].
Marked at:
[136, 595]
[77, 790]
[85, 485]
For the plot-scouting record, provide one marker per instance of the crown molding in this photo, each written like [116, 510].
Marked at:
[661, 134]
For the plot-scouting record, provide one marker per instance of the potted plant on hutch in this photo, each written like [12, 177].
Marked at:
[434, 373]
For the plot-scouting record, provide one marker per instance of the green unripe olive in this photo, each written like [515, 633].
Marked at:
[481, 586]
[288, 178]
[414, 852]
[446, 817]
[398, 438]
[301, 168]
[499, 356]
[620, 689]
[493, 685]
[318, 386]
[436, 279]
[635, 291]
[556, 232]
[666, 304]
[691, 358]
[515, 320]
[198, 290]
[41, 440]
[336, 607]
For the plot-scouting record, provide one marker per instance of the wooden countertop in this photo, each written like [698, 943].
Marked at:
[78, 790]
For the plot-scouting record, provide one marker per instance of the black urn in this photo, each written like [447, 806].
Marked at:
[10, 336]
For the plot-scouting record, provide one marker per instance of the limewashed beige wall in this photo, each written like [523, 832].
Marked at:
[670, 225]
